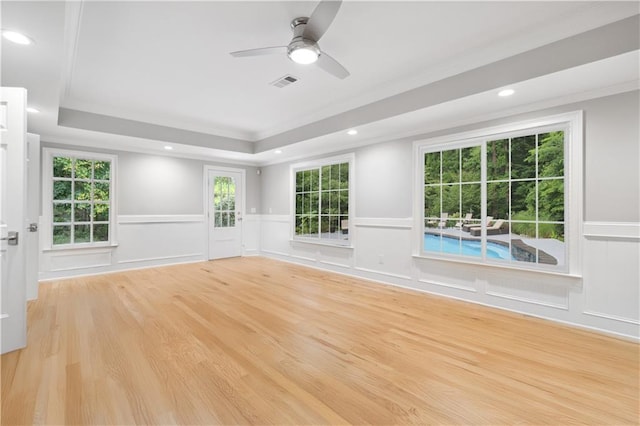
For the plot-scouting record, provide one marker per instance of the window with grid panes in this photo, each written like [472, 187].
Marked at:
[81, 200]
[322, 203]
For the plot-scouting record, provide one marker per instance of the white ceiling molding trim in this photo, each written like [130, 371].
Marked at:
[601, 43]
[72, 24]
[120, 126]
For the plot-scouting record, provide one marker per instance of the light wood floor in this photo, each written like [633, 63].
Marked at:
[258, 341]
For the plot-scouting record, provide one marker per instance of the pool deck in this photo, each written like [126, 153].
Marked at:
[550, 246]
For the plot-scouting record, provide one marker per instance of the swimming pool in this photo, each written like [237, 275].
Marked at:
[445, 244]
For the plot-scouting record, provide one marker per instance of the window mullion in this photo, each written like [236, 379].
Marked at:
[483, 199]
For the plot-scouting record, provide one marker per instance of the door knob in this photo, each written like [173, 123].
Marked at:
[11, 238]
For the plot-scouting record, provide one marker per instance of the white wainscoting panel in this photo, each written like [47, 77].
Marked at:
[383, 246]
[606, 298]
[251, 235]
[143, 241]
[612, 279]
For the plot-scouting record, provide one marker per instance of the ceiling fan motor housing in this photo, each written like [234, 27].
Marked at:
[299, 43]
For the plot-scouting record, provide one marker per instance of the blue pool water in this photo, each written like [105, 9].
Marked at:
[443, 244]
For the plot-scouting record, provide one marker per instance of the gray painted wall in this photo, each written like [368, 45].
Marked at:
[384, 172]
[163, 185]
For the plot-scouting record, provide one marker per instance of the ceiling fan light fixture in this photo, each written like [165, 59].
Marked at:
[303, 53]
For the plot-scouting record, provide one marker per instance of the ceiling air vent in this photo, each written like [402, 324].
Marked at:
[284, 81]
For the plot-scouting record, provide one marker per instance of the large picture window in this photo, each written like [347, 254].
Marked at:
[78, 198]
[499, 199]
[321, 202]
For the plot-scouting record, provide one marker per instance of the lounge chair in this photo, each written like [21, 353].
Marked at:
[442, 222]
[466, 219]
[469, 227]
[494, 229]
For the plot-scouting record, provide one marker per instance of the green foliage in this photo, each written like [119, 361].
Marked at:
[86, 183]
[322, 199]
[516, 184]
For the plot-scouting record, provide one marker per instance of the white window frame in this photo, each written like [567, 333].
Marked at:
[47, 198]
[572, 124]
[312, 164]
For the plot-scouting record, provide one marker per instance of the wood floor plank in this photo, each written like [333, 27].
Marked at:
[257, 341]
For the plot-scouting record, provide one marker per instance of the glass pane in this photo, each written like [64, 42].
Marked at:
[299, 181]
[344, 202]
[334, 203]
[325, 228]
[83, 169]
[101, 212]
[325, 196]
[299, 203]
[101, 171]
[217, 202]
[307, 181]
[521, 251]
[451, 166]
[82, 233]
[232, 219]
[498, 200]
[432, 241]
[499, 250]
[82, 191]
[218, 219]
[523, 200]
[101, 191]
[314, 179]
[344, 176]
[335, 177]
[62, 234]
[62, 212]
[551, 154]
[523, 229]
[82, 212]
[61, 190]
[550, 243]
[313, 225]
[326, 178]
[523, 157]
[299, 224]
[470, 202]
[498, 159]
[344, 227]
[471, 164]
[314, 200]
[62, 167]
[100, 232]
[432, 167]
[432, 203]
[225, 220]
[231, 203]
[450, 201]
[551, 200]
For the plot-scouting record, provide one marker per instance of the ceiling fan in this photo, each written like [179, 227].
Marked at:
[304, 48]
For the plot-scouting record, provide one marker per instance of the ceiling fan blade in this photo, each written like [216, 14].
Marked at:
[260, 51]
[321, 18]
[332, 66]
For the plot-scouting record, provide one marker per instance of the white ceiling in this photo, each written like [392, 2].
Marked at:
[168, 64]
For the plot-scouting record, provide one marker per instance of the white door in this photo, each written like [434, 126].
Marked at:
[225, 211]
[32, 236]
[13, 178]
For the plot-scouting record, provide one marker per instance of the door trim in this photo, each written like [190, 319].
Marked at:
[205, 200]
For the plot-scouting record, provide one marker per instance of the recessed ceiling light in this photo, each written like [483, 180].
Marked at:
[16, 37]
[352, 132]
[506, 92]
[168, 147]
[278, 151]
[32, 109]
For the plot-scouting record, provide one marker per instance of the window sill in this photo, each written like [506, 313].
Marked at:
[347, 245]
[79, 248]
[498, 266]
